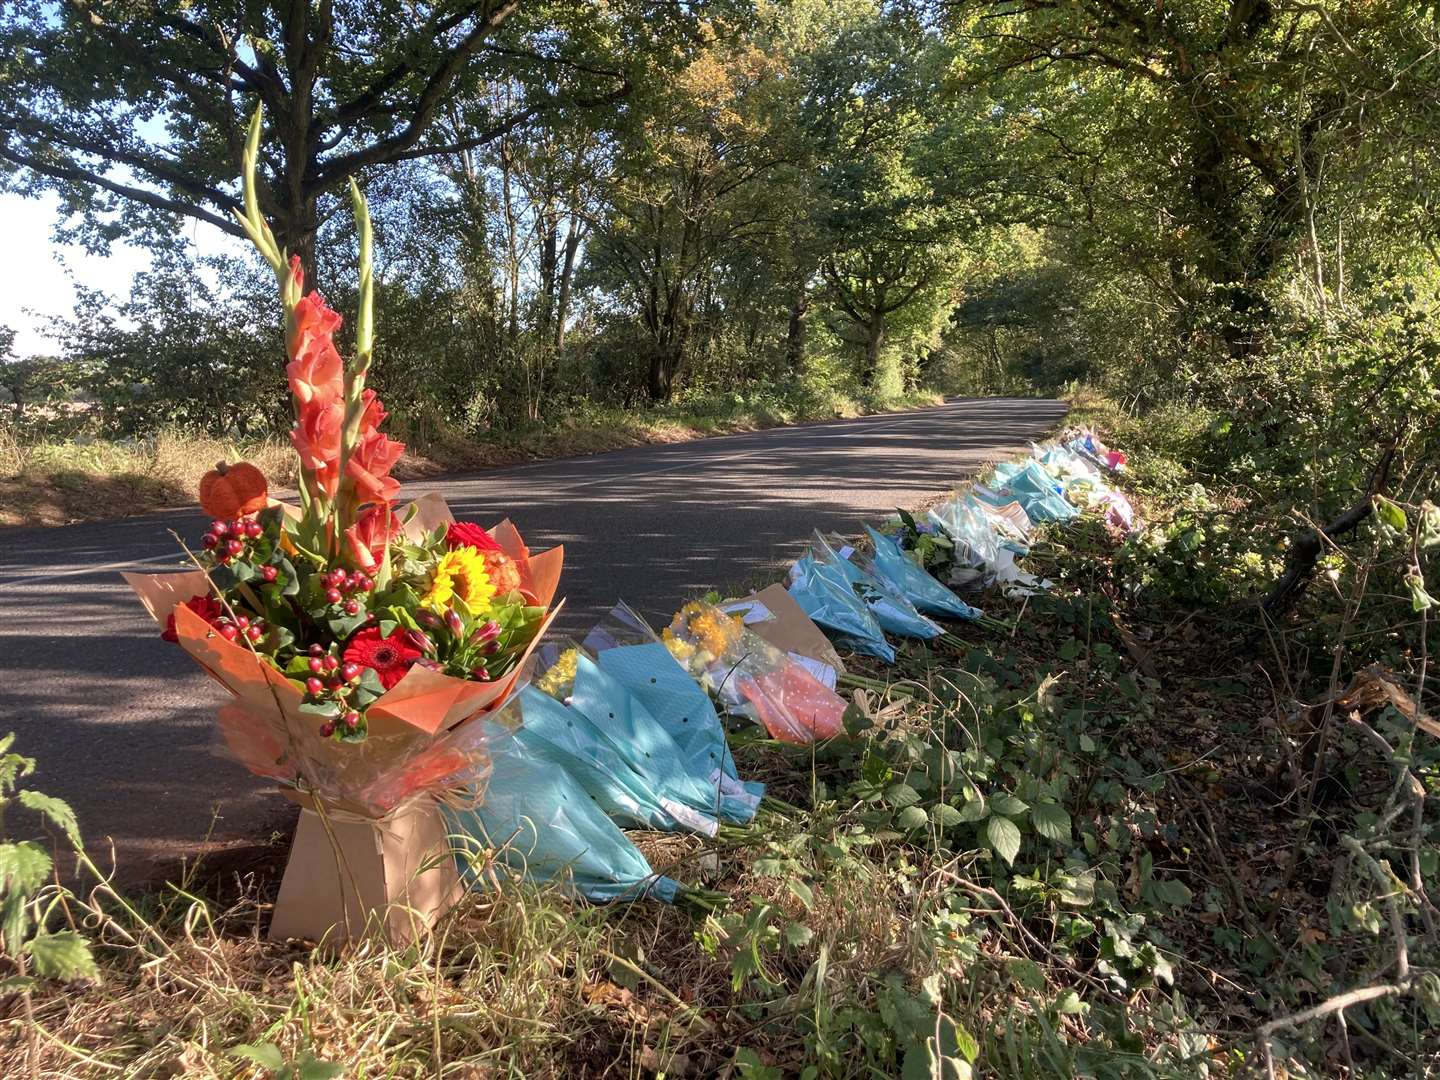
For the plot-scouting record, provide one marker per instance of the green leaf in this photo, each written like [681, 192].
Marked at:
[311, 1068]
[1069, 1004]
[901, 795]
[328, 710]
[945, 815]
[57, 810]
[1004, 837]
[24, 866]
[1051, 820]
[1008, 805]
[974, 809]
[1076, 889]
[64, 955]
[1169, 892]
[802, 892]
[966, 1044]
[266, 1055]
[1420, 600]
[1390, 515]
[911, 818]
[798, 934]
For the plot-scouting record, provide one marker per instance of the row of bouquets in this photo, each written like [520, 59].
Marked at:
[625, 728]
[539, 774]
[535, 774]
[862, 599]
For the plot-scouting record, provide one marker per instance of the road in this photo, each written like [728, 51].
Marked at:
[120, 720]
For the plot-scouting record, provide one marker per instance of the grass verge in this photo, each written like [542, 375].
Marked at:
[60, 482]
[1091, 844]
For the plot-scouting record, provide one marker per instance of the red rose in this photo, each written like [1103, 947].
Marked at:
[468, 534]
[207, 607]
[389, 657]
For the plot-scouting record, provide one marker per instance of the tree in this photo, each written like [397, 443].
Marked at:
[1197, 137]
[134, 112]
[694, 153]
[894, 179]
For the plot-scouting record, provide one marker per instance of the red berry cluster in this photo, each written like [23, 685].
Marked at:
[229, 540]
[343, 587]
[332, 680]
[231, 629]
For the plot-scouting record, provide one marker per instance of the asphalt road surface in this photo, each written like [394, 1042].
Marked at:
[120, 720]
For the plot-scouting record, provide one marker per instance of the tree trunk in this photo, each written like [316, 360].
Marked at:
[664, 362]
[795, 335]
[567, 274]
[874, 342]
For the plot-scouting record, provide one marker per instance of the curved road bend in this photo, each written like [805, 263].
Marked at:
[120, 721]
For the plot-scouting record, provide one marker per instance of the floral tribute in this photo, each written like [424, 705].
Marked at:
[346, 621]
[751, 677]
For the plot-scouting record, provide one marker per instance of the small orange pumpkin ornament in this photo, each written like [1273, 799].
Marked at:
[233, 491]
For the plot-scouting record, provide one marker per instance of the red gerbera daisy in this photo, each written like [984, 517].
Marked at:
[389, 657]
[206, 606]
[468, 534]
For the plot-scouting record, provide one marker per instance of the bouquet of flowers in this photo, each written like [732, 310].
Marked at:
[751, 677]
[358, 638]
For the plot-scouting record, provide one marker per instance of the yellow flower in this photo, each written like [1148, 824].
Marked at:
[460, 574]
[711, 628]
[559, 677]
[680, 649]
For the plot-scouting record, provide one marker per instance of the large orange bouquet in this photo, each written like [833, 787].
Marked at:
[358, 637]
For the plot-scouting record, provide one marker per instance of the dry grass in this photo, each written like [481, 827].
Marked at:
[63, 482]
[521, 983]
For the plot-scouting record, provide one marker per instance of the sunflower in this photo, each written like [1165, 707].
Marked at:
[460, 574]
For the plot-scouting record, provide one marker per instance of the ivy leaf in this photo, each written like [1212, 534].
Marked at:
[1004, 837]
[64, 955]
[1051, 821]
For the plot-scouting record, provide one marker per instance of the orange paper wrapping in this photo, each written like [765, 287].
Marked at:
[381, 858]
[264, 729]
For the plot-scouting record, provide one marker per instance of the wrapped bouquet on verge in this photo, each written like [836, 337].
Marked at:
[601, 719]
[538, 819]
[753, 678]
[628, 651]
[360, 640]
[825, 594]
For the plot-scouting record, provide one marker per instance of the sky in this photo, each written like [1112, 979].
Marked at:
[38, 281]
